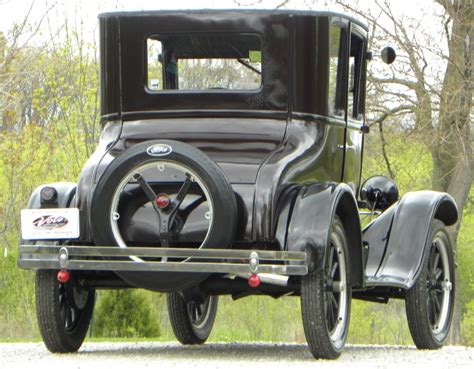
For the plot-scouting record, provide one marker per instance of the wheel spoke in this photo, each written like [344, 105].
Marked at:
[332, 310]
[68, 322]
[438, 274]
[433, 311]
[184, 213]
[334, 269]
[328, 304]
[437, 305]
[332, 251]
[435, 261]
[431, 260]
[331, 315]
[73, 316]
[63, 312]
[150, 194]
[199, 309]
[182, 192]
[335, 303]
[429, 306]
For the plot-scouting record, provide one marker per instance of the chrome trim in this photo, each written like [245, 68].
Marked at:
[203, 260]
[63, 258]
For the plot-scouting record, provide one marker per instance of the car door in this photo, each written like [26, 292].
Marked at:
[337, 94]
[355, 106]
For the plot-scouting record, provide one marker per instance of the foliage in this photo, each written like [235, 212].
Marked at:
[465, 272]
[48, 128]
[468, 324]
[125, 313]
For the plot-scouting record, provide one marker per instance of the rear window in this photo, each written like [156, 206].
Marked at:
[197, 62]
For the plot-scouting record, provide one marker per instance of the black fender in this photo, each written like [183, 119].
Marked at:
[398, 239]
[309, 225]
[66, 192]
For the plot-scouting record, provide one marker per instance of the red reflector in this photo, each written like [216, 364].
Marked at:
[162, 200]
[63, 276]
[254, 281]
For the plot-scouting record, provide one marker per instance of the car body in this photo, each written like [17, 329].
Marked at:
[253, 121]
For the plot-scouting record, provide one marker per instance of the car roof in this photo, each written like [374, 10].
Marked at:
[261, 12]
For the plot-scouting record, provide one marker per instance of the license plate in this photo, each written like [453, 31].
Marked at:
[46, 224]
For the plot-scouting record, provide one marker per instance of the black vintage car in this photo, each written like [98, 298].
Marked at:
[230, 164]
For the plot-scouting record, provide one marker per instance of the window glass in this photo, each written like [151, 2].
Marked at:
[336, 68]
[354, 102]
[154, 52]
[351, 87]
[204, 62]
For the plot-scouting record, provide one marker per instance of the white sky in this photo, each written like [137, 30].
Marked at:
[82, 15]
[86, 11]
[12, 11]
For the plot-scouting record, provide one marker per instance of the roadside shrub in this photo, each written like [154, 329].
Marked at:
[125, 313]
[468, 325]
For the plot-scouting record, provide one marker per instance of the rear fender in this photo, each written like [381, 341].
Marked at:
[66, 192]
[66, 196]
[309, 225]
[400, 236]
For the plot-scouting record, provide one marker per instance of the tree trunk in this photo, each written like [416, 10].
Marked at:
[452, 150]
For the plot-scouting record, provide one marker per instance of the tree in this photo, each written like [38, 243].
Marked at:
[437, 99]
[427, 92]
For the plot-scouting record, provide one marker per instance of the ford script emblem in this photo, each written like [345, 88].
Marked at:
[50, 222]
[159, 150]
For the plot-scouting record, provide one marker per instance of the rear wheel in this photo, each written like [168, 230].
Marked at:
[429, 303]
[326, 299]
[64, 311]
[191, 321]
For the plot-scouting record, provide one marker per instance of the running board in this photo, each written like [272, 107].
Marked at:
[113, 258]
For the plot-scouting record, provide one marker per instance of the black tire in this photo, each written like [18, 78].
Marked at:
[429, 302]
[326, 305]
[224, 208]
[188, 328]
[63, 311]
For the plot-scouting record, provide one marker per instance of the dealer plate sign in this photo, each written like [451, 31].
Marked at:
[46, 224]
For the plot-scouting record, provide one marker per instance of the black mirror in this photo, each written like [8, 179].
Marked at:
[379, 192]
[388, 55]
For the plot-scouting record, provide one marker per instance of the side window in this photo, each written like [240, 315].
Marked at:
[355, 86]
[155, 68]
[336, 71]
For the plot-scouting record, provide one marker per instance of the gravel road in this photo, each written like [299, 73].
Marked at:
[228, 356]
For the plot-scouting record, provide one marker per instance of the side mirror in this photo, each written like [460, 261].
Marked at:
[388, 55]
[379, 192]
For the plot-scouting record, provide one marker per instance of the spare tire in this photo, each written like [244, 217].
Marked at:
[122, 214]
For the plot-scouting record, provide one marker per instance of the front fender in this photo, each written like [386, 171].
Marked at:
[398, 239]
[310, 223]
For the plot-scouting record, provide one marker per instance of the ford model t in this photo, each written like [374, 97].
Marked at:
[229, 164]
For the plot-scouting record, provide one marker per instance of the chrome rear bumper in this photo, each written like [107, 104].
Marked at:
[112, 258]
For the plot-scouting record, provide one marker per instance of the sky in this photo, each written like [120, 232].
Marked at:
[82, 14]
[86, 11]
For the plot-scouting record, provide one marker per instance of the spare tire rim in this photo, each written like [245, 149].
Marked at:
[439, 286]
[170, 172]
